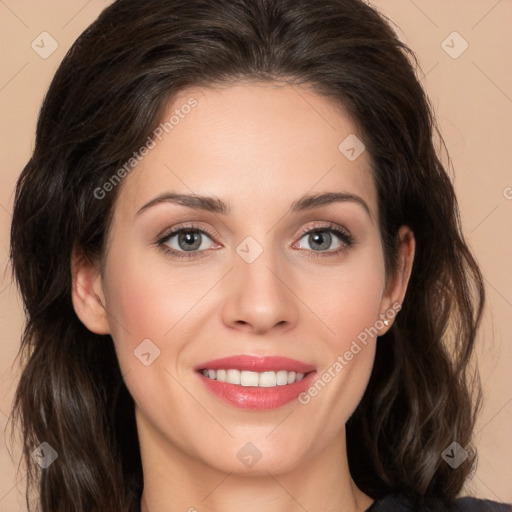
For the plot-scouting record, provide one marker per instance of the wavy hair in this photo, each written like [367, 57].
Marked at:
[107, 96]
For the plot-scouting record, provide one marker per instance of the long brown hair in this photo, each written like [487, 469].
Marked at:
[107, 96]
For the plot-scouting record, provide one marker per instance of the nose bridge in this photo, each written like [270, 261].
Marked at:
[258, 295]
[257, 263]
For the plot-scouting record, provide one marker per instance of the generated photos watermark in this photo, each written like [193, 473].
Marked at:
[343, 360]
[151, 143]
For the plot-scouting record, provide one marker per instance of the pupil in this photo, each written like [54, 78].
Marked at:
[190, 238]
[321, 236]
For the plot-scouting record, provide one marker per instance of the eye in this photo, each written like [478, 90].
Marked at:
[189, 241]
[320, 239]
[185, 242]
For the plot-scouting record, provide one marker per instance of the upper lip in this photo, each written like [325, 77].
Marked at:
[257, 364]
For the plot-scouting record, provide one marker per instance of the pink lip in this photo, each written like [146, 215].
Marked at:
[256, 398]
[256, 364]
[252, 397]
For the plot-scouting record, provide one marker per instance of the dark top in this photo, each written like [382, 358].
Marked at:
[402, 503]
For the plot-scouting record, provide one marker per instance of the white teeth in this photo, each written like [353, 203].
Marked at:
[254, 379]
[249, 378]
[282, 377]
[233, 376]
[267, 380]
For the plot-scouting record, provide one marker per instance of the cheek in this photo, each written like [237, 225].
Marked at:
[350, 299]
[149, 313]
[134, 307]
[144, 301]
[142, 308]
[349, 304]
[358, 302]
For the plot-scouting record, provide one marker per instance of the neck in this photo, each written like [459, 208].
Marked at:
[174, 481]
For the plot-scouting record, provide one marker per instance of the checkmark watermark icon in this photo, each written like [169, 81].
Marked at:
[44, 45]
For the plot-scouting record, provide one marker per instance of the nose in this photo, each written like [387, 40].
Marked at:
[259, 295]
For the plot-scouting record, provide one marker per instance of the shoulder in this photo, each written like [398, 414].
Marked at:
[468, 504]
[398, 502]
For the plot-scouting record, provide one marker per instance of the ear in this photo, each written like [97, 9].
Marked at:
[87, 293]
[396, 285]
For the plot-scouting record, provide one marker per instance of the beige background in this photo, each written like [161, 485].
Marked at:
[472, 96]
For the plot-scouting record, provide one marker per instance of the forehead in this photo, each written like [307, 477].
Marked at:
[253, 145]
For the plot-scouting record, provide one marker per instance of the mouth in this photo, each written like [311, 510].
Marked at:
[268, 379]
[256, 383]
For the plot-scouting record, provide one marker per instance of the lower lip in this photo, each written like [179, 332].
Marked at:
[256, 398]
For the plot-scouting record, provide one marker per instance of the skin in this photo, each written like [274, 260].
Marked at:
[258, 147]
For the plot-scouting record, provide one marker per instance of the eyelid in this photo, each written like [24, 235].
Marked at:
[164, 235]
[325, 225]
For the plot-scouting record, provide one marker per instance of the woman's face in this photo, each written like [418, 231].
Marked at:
[251, 280]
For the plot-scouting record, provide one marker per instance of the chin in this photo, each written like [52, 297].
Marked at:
[251, 461]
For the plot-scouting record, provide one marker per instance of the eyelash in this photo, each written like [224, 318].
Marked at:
[346, 239]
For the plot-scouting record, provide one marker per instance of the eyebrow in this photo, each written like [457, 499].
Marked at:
[216, 205]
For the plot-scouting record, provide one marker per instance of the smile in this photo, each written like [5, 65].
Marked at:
[254, 379]
[254, 382]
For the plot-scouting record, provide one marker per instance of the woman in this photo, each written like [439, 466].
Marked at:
[244, 274]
